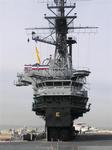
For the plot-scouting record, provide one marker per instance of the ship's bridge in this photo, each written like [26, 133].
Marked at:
[60, 87]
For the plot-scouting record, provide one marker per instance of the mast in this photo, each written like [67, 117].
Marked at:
[60, 23]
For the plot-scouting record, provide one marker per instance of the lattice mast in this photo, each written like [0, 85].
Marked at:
[59, 24]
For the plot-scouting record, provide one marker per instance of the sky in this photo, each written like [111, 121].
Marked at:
[93, 51]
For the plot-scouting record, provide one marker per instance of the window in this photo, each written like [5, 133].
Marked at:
[66, 83]
[57, 83]
[49, 83]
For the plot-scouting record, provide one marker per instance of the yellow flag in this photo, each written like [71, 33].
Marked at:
[37, 55]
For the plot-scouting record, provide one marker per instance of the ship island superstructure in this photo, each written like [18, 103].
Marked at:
[59, 93]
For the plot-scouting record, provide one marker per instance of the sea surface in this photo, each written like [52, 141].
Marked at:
[43, 145]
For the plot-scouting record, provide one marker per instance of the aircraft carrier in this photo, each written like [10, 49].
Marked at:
[59, 95]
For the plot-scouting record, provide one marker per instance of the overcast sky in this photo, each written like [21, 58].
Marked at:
[93, 51]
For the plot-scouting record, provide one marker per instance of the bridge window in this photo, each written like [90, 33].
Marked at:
[49, 83]
[66, 83]
[57, 83]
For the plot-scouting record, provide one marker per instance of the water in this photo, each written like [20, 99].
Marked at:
[96, 148]
[43, 145]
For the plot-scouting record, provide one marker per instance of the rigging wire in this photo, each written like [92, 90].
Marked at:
[88, 51]
[78, 50]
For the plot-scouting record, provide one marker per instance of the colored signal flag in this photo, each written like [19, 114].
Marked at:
[37, 56]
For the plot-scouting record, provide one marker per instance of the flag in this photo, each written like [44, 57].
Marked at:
[37, 55]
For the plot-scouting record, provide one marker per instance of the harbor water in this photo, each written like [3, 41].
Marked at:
[43, 145]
